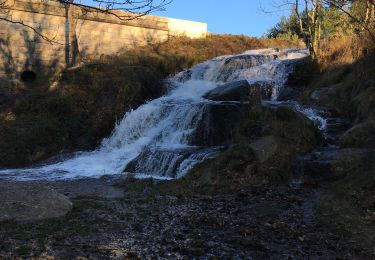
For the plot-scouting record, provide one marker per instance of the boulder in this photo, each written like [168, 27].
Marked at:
[31, 202]
[360, 135]
[240, 90]
[264, 148]
[292, 127]
[230, 91]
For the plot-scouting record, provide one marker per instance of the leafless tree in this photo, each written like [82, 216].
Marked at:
[131, 9]
[309, 14]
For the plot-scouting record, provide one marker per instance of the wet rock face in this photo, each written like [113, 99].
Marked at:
[154, 160]
[216, 128]
[229, 92]
[21, 202]
[218, 125]
[240, 90]
[286, 94]
[169, 162]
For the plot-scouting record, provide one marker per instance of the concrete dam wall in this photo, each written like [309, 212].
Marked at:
[71, 30]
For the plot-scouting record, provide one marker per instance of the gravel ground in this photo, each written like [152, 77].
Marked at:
[259, 222]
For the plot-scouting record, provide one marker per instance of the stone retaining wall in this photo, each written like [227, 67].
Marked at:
[96, 34]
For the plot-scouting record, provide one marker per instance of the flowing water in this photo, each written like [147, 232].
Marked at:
[159, 139]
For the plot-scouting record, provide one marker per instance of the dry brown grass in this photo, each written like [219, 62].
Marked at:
[344, 50]
[182, 52]
[346, 67]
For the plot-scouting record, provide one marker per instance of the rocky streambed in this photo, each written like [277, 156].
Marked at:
[261, 222]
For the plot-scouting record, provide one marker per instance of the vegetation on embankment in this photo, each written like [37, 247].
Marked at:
[343, 78]
[38, 122]
[79, 106]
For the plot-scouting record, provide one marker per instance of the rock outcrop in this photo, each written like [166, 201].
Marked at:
[240, 90]
[360, 135]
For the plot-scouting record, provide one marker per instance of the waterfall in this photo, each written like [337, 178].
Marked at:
[166, 137]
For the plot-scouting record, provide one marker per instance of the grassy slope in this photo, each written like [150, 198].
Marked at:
[347, 67]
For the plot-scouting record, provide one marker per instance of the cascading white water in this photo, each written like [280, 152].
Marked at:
[157, 138]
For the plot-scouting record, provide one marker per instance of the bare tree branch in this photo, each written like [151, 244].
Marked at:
[130, 9]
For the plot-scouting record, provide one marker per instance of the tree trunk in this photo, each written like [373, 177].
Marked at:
[72, 55]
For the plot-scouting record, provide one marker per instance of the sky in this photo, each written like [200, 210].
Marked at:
[228, 16]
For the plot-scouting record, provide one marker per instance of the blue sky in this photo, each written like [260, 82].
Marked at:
[249, 17]
[223, 16]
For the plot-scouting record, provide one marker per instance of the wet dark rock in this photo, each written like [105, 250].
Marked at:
[240, 90]
[23, 202]
[216, 128]
[184, 75]
[232, 91]
[218, 125]
[287, 94]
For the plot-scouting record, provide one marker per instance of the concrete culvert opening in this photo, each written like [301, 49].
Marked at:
[28, 76]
